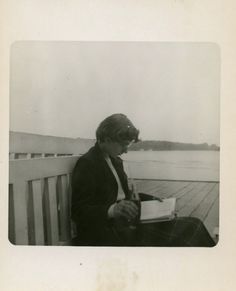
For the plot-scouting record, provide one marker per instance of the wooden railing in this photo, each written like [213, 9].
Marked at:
[19, 156]
[39, 199]
[27, 146]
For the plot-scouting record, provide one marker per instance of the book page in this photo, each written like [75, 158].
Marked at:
[154, 209]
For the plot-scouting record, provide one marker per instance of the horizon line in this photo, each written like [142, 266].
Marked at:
[142, 140]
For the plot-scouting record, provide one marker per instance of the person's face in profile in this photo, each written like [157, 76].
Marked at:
[115, 148]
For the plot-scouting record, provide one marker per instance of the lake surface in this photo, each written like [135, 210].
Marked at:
[174, 165]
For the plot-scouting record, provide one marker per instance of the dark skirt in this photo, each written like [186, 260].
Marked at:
[180, 232]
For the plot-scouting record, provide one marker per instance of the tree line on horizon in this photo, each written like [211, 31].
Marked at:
[168, 146]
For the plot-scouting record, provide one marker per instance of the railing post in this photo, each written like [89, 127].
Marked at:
[38, 211]
[12, 156]
[51, 214]
[64, 219]
[20, 213]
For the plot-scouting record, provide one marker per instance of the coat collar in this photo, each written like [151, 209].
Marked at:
[117, 163]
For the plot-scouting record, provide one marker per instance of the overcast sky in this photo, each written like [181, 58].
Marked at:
[170, 91]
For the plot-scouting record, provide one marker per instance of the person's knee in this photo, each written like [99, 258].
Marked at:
[189, 219]
[195, 220]
[198, 223]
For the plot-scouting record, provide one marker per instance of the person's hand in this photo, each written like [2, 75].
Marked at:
[125, 209]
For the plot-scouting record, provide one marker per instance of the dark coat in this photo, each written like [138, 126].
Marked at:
[94, 190]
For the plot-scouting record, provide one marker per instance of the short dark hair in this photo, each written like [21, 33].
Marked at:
[118, 128]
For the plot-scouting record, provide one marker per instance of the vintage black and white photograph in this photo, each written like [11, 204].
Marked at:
[114, 144]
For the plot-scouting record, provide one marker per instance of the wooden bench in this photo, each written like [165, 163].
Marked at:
[39, 201]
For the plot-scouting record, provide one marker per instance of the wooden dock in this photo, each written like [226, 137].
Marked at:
[196, 199]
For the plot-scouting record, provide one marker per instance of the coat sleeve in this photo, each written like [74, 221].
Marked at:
[86, 210]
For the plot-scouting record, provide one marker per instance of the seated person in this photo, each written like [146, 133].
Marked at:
[102, 205]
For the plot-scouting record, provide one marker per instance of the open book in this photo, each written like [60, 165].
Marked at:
[154, 210]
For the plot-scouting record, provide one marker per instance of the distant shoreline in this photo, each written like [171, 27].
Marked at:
[152, 145]
[173, 150]
[43, 143]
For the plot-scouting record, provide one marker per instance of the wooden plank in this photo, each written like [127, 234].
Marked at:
[46, 213]
[195, 200]
[203, 208]
[63, 208]
[69, 191]
[188, 194]
[50, 212]
[159, 189]
[20, 213]
[167, 186]
[172, 188]
[11, 216]
[29, 156]
[212, 219]
[157, 186]
[138, 182]
[12, 156]
[148, 186]
[33, 169]
[187, 189]
[53, 210]
[30, 212]
[72, 224]
[38, 212]
[143, 185]
[179, 188]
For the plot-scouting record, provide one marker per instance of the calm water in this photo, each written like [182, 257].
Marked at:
[176, 165]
